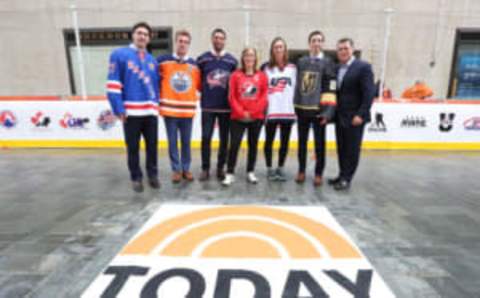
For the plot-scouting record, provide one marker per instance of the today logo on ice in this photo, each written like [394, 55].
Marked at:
[240, 251]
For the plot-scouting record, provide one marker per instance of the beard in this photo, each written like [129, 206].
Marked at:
[217, 48]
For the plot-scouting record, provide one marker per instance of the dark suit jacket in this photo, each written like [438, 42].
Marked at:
[355, 95]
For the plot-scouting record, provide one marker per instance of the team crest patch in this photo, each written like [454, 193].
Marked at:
[278, 85]
[181, 82]
[218, 78]
[309, 82]
[249, 90]
[111, 68]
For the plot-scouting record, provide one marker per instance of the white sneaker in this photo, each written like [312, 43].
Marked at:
[229, 179]
[252, 178]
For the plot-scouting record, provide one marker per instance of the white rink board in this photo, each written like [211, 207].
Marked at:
[393, 115]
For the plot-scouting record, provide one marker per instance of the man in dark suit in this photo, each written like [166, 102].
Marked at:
[355, 93]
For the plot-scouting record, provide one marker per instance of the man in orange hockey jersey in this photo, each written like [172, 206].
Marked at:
[179, 85]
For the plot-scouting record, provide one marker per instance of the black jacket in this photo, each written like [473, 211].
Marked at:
[356, 93]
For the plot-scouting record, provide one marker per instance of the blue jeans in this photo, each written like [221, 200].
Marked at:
[174, 126]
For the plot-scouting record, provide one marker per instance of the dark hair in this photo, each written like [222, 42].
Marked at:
[183, 32]
[316, 32]
[242, 63]
[346, 39]
[219, 30]
[271, 61]
[142, 25]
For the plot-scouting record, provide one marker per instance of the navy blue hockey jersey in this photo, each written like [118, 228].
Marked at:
[215, 71]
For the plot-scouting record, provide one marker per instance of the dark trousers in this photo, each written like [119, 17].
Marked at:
[304, 124]
[237, 129]
[349, 142]
[174, 127]
[134, 128]
[270, 130]
[208, 125]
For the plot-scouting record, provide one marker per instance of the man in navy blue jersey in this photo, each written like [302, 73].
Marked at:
[215, 66]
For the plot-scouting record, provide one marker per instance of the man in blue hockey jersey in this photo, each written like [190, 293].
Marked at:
[132, 90]
[215, 66]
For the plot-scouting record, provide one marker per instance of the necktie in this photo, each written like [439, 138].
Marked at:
[141, 55]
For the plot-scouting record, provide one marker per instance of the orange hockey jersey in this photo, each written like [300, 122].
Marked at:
[179, 86]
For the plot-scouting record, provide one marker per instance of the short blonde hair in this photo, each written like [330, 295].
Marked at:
[183, 32]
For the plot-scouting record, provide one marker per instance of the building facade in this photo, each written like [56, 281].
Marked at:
[437, 41]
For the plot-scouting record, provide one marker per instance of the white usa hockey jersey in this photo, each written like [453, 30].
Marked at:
[281, 91]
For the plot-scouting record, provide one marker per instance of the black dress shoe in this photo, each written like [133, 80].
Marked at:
[154, 183]
[137, 186]
[333, 181]
[220, 174]
[204, 176]
[342, 185]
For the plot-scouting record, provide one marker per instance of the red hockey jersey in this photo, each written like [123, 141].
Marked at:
[248, 93]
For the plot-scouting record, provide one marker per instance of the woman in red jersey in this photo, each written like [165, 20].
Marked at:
[248, 102]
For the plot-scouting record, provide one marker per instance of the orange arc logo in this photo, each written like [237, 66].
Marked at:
[242, 232]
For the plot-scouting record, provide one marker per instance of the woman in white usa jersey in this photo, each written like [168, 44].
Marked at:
[281, 113]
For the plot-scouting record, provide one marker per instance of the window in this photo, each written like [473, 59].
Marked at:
[97, 45]
[465, 75]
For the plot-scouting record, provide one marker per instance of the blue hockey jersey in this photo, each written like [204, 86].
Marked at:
[215, 71]
[133, 82]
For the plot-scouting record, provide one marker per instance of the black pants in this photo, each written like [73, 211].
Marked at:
[285, 130]
[208, 125]
[134, 128]
[304, 124]
[349, 143]
[237, 129]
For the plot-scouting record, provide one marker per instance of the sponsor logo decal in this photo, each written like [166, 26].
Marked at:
[472, 123]
[106, 120]
[378, 124]
[69, 121]
[414, 122]
[40, 120]
[7, 119]
[446, 122]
